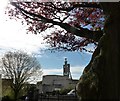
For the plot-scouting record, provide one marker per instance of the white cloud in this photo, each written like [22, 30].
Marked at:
[76, 71]
[13, 36]
[52, 71]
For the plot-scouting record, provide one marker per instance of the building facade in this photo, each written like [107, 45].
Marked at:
[51, 83]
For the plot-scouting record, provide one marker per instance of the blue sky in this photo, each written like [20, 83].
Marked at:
[52, 63]
[13, 37]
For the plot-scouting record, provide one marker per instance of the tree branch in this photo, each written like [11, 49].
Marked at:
[82, 32]
[85, 4]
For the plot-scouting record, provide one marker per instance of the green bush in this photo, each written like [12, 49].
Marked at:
[65, 91]
[6, 98]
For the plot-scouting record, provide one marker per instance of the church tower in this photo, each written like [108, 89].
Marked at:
[66, 69]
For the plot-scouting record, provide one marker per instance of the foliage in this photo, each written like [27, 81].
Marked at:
[19, 67]
[6, 98]
[69, 22]
[7, 91]
[65, 91]
[31, 93]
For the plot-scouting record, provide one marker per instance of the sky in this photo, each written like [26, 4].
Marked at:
[13, 37]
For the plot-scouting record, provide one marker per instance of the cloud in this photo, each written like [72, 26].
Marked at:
[52, 71]
[90, 47]
[13, 37]
[76, 71]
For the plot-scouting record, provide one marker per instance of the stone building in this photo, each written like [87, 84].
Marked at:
[51, 83]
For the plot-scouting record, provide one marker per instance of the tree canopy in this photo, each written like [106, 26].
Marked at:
[74, 24]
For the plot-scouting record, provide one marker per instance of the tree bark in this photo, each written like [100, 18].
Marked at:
[109, 80]
[105, 62]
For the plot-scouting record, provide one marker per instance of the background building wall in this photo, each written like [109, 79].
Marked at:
[55, 82]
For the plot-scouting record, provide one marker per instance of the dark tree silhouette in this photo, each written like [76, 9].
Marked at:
[100, 79]
[19, 67]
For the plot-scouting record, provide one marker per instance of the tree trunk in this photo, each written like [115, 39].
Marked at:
[105, 64]
[109, 84]
[16, 95]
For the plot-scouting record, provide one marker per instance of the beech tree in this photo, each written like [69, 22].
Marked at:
[78, 24]
[19, 67]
